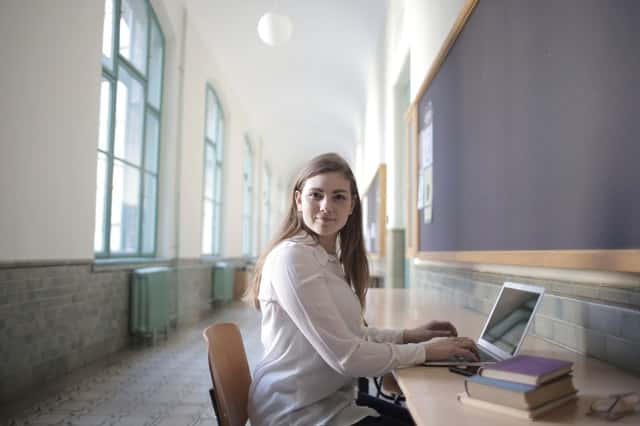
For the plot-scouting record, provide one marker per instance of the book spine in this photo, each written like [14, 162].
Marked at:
[464, 399]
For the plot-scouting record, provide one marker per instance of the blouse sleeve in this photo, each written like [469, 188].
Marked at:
[301, 289]
[383, 335]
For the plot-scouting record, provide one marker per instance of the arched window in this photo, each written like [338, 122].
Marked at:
[247, 205]
[213, 155]
[266, 206]
[129, 134]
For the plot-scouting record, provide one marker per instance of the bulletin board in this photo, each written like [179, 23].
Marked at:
[526, 138]
[374, 213]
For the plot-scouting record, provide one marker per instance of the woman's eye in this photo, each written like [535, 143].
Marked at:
[340, 197]
[315, 195]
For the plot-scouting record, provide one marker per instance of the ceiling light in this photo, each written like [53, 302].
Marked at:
[274, 29]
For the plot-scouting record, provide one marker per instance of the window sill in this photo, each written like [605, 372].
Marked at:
[211, 260]
[127, 263]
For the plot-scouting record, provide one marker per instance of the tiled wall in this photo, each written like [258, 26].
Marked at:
[194, 291]
[597, 320]
[55, 318]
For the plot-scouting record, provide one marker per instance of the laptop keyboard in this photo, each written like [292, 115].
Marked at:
[482, 355]
[485, 357]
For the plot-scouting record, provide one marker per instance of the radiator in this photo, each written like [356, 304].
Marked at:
[223, 277]
[149, 312]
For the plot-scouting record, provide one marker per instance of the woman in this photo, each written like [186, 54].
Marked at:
[310, 286]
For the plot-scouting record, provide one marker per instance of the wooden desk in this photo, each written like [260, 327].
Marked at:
[431, 391]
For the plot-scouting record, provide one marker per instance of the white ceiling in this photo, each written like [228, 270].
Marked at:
[308, 96]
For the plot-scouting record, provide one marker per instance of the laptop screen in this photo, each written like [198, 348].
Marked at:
[510, 318]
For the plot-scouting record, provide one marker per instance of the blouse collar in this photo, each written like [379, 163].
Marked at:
[322, 255]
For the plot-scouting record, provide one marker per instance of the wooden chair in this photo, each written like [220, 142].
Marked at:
[229, 374]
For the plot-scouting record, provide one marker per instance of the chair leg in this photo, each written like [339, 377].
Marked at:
[363, 385]
[212, 394]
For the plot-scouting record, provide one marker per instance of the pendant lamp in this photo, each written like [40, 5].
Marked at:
[274, 29]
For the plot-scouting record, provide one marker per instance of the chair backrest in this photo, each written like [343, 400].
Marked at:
[229, 373]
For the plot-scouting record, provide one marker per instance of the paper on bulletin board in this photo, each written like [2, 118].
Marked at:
[426, 165]
[426, 147]
[426, 161]
[428, 195]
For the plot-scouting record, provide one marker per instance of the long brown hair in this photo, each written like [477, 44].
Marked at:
[352, 253]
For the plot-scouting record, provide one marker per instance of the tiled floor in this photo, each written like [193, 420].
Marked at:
[166, 384]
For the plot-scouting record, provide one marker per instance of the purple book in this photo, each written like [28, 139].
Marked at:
[528, 369]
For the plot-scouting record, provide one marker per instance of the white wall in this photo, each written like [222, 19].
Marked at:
[170, 18]
[415, 28]
[200, 67]
[373, 143]
[49, 89]
[396, 52]
[428, 23]
[49, 76]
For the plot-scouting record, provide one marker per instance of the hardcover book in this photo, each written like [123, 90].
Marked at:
[527, 369]
[518, 395]
[523, 414]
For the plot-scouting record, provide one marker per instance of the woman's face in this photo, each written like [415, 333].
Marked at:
[325, 203]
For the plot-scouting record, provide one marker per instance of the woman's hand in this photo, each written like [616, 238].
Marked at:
[429, 331]
[454, 347]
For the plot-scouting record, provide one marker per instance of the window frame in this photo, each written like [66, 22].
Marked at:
[281, 202]
[247, 208]
[111, 73]
[218, 164]
[266, 205]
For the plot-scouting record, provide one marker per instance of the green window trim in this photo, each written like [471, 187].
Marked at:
[140, 163]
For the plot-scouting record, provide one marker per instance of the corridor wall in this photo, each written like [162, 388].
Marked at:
[59, 309]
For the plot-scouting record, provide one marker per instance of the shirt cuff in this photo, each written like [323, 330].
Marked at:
[411, 354]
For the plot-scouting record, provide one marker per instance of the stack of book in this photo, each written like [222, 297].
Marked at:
[524, 386]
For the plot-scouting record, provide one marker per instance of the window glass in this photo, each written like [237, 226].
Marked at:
[216, 230]
[266, 206]
[125, 208]
[220, 139]
[207, 227]
[212, 188]
[107, 34]
[105, 114]
[152, 140]
[247, 210]
[133, 33]
[101, 186]
[218, 181]
[212, 116]
[209, 172]
[129, 118]
[156, 52]
[149, 213]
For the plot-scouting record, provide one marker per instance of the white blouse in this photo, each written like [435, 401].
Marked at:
[315, 342]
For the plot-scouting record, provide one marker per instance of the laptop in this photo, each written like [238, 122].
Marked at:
[506, 326]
